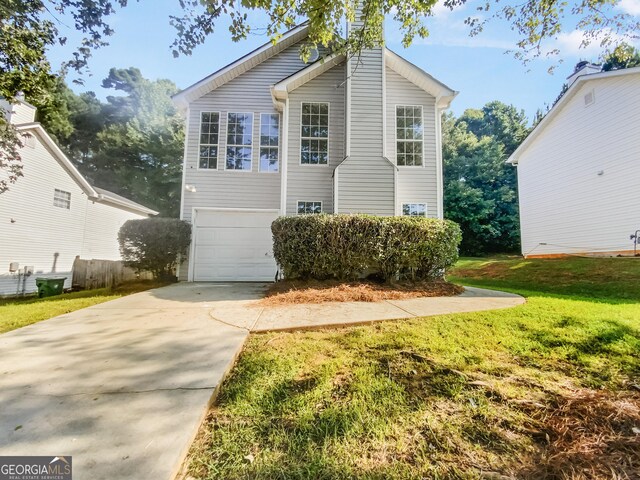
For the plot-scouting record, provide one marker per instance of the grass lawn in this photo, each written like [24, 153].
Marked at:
[548, 389]
[20, 312]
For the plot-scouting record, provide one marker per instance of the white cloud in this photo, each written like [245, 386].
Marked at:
[632, 7]
[571, 44]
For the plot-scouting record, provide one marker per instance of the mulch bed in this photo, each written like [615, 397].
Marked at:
[288, 292]
[590, 435]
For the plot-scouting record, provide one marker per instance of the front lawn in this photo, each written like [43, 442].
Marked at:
[20, 312]
[549, 389]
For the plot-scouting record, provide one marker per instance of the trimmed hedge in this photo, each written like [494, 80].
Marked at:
[154, 244]
[347, 247]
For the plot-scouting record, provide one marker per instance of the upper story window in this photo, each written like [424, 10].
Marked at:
[314, 134]
[209, 137]
[307, 208]
[61, 199]
[409, 135]
[239, 141]
[269, 141]
[414, 209]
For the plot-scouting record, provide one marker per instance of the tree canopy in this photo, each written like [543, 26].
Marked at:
[132, 144]
[480, 189]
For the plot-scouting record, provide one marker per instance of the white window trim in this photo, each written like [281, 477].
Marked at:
[314, 165]
[279, 142]
[426, 209]
[67, 199]
[395, 135]
[208, 144]
[310, 201]
[226, 145]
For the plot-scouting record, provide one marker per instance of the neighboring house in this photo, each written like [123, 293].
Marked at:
[52, 214]
[579, 169]
[269, 135]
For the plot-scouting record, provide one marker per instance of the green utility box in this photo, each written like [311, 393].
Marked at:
[48, 287]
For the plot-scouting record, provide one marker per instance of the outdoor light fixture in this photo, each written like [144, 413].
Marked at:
[190, 188]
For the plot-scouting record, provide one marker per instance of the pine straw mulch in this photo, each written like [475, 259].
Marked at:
[590, 435]
[288, 292]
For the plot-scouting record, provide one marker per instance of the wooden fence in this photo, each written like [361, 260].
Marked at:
[89, 274]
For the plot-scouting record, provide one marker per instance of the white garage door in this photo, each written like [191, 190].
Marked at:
[234, 246]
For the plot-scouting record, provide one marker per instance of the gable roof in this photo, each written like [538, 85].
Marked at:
[566, 98]
[93, 193]
[240, 66]
[443, 94]
[280, 90]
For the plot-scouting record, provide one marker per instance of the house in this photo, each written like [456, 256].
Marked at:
[52, 214]
[579, 169]
[270, 135]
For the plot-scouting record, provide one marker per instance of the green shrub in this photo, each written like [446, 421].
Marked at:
[154, 244]
[350, 246]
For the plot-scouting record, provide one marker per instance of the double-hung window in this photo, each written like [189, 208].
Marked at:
[239, 141]
[409, 135]
[314, 134]
[414, 209]
[307, 208]
[269, 141]
[209, 136]
[61, 199]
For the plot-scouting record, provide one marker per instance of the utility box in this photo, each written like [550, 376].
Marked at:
[48, 287]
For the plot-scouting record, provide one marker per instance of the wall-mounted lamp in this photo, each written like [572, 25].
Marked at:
[190, 188]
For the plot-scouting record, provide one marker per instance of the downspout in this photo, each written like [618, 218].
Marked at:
[439, 175]
[282, 105]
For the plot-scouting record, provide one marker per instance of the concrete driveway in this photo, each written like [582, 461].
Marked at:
[122, 386]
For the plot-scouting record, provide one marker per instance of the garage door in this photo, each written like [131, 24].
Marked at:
[234, 246]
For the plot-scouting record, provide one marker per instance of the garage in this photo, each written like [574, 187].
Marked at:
[233, 245]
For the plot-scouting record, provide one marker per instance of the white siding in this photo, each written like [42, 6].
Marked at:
[250, 92]
[366, 180]
[33, 230]
[315, 182]
[36, 233]
[563, 201]
[415, 184]
[101, 230]
[18, 113]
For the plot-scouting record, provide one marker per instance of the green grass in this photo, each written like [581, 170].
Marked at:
[20, 312]
[397, 400]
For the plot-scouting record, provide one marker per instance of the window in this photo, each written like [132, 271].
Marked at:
[409, 135]
[61, 199]
[305, 208]
[314, 134]
[269, 139]
[414, 209]
[239, 141]
[209, 135]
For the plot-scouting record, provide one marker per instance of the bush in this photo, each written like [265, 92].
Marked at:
[154, 244]
[346, 247]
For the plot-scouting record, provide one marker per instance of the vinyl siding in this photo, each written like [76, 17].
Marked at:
[315, 182]
[18, 113]
[563, 201]
[366, 179]
[415, 184]
[101, 230]
[40, 230]
[250, 92]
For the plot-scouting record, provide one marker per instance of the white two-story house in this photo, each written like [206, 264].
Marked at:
[270, 135]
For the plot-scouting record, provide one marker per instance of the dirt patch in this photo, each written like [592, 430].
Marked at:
[314, 291]
[590, 435]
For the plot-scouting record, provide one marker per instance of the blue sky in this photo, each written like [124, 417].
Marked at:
[477, 67]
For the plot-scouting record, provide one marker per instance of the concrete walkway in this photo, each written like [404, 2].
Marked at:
[250, 315]
[123, 386]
